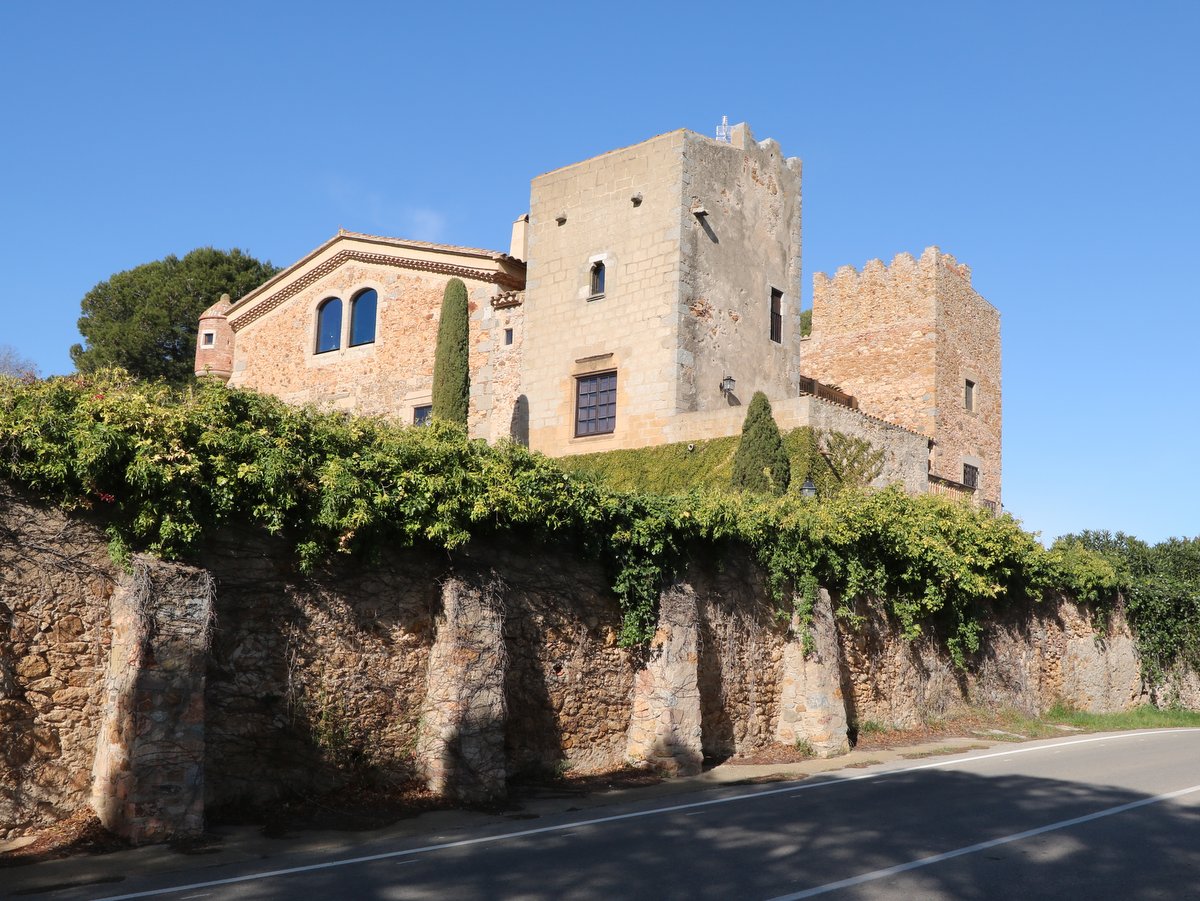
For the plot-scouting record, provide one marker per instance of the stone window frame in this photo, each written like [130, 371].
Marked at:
[327, 301]
[598, 377]
[776, 327]
[972, 462]
[208, 339]
[354, 301]
[345, 348]
[970, 392]
[414, 401]
[596, 262]
[509, 334]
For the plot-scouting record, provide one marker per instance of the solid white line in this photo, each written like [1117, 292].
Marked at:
[561, 827]
[981, 846]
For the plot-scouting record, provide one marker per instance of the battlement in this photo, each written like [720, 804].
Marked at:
[904, 269]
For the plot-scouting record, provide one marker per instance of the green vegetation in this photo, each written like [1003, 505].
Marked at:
[806, 322]
[145, 319]
[708, 465]
[1161, 588]
[163, 468]
[451, 370]
[1144, 717]
[761, 464]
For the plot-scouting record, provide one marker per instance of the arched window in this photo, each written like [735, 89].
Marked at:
[597, 279]
[362, 317]
[329, 325]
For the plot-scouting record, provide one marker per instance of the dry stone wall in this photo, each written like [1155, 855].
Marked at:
[161, 694]
[55, 584]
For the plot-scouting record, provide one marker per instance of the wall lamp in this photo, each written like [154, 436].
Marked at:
[808, 489]
[727, 385]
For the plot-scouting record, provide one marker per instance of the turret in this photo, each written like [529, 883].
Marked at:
[214, 342]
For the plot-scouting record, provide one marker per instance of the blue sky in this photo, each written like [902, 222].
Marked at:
[1052, 146]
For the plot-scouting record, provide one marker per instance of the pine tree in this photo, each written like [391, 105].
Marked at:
[451, 375]
[761, 462]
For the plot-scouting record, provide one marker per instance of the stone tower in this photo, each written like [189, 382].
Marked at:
[918, 346]
[214, 342]
[655, 271]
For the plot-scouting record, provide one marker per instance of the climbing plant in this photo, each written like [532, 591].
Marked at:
[163, 468]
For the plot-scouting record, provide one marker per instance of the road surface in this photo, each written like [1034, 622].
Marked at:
[1114, 816]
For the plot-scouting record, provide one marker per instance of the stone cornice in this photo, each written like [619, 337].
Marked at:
[291, 289]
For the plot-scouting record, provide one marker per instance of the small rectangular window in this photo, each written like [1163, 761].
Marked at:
[508, 336]
[970, 475]
[422, 414]
[776, 315]
[969, 395]
[597, 286]
[595, 404]
[209, 339]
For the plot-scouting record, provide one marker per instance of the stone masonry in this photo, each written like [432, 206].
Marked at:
[122, 692]
[905, 339]
[460, 746]
[698, 245]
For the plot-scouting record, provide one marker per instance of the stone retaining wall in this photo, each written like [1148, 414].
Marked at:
[166, 692]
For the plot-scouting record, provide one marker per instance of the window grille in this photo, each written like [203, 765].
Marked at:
[776, 315]
[970, 475]
[595, 404]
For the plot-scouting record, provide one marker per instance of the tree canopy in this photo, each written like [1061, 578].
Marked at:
[12, 362]
[144, 320]
[451, 373]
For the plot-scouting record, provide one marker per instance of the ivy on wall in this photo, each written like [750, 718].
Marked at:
[165, 468]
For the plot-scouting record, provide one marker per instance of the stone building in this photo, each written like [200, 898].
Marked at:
[648, 293]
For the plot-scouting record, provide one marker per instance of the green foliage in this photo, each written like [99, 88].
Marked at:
[761, 464]
[1161, 587]
[708, 465]
[806, 322]
[665, 469]
[163, 468]
[451, 373]
[1164, 607]
[145, 319]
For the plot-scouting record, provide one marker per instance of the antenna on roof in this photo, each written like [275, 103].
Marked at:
[725, 131]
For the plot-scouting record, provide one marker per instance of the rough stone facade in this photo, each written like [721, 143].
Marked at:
[662, 268]
[905, 339]
[148, 773]
[268, 340]
[160, 695]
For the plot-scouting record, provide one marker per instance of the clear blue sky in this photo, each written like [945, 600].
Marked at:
[1052, 146]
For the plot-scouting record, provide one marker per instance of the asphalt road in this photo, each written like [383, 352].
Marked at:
[1113, 816]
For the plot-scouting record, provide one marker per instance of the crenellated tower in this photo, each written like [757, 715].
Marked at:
[918, 346]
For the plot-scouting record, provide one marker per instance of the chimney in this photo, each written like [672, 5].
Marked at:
[519, 246]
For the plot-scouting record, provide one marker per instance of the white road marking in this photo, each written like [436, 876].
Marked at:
[563, 827]
[981, 846]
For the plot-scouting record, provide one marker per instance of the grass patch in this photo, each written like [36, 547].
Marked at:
[1145, 717]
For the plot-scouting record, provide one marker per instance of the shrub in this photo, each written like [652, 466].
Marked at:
[451, 371]
[761, 464]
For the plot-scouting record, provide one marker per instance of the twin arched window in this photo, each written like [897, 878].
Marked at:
[362, 321]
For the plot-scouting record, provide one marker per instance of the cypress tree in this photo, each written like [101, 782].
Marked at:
[761, 462]
[451, 375]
